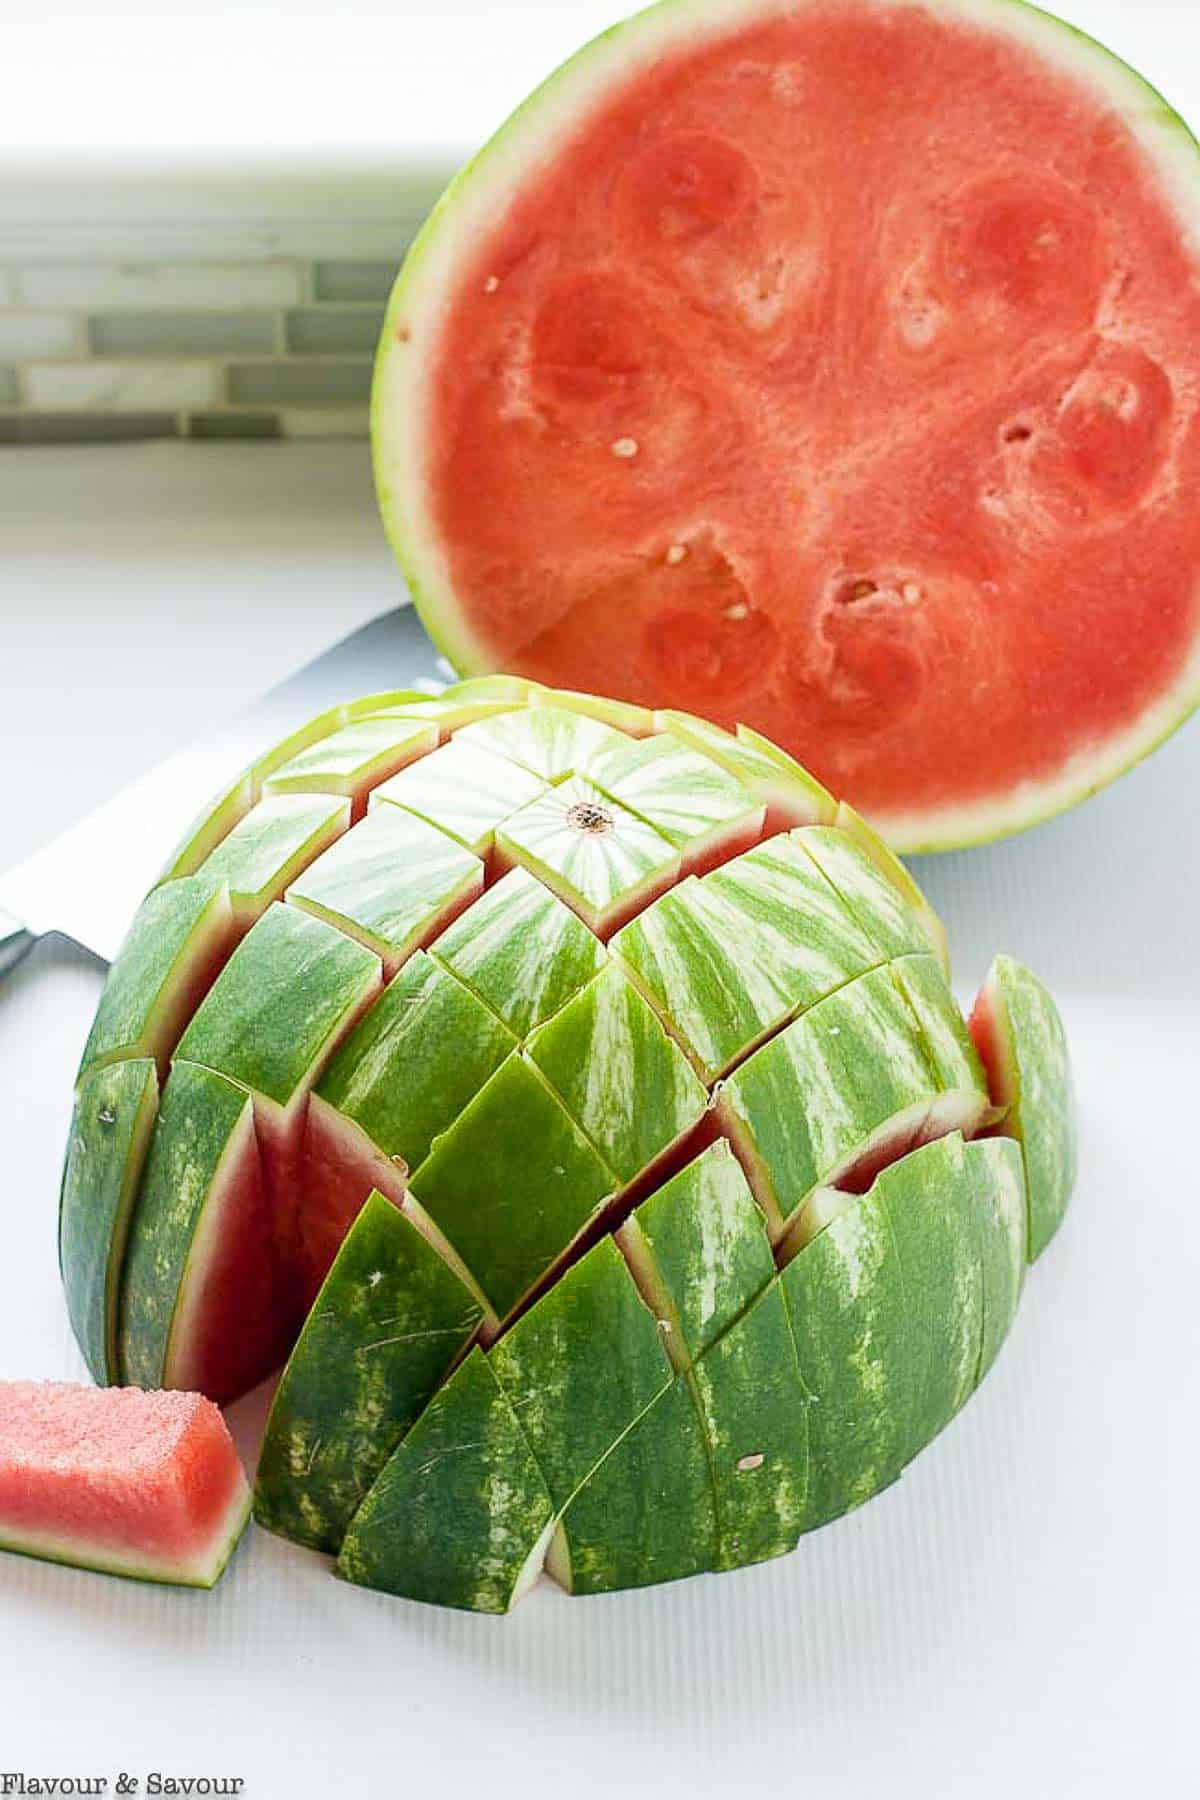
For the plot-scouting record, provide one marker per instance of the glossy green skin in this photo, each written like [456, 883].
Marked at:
[424, 1019]
[460, 1506]
[700, 1251]
[288, 988]
[811, 1097]
[387, 1325]
[731, 957]
[605, 1044]
[388, 880]
[462, 790]
[115, 1109]
[673, 1402]
[648, 1512]
[1035, 1082]
[203, 1119]
[173, 924]
[519, 1133]
[581, 1367]
[522, 951]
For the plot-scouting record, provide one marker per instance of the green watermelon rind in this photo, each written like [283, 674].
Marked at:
[543, 122]
[73, 1554]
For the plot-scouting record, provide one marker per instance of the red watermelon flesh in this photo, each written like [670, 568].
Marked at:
[832, 368]
[121, 1480]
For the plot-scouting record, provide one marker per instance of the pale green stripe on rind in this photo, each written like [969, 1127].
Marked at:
[770, 774]
[805, 1103]
[280, 1004]
[889, 865]
[390, 881]
[522, 950]
[416, 1061]
[548, 740]
[460, 1514]
[595, 870]
[752, 1405]
[870, 896]
[512, 1182]
[356, 757]
[268, 848]
[462, 790]
[581, 1366]
[648, 1512]
[389, 1321]
[205, 1127]
[680, 792]
[699, 1251]
[179, 930]
[995, 1174]
[1034, 1080]
[846, 1303]
[626, 1084]
[948, 1043]
[115, 1109]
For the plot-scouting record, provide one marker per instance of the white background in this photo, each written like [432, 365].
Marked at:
[1021, 1614]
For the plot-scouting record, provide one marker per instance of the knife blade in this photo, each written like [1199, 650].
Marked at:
[87, 883]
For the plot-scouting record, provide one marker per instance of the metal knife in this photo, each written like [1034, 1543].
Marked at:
[87, 883]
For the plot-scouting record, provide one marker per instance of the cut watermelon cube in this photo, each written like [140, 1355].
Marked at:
[115, 1479]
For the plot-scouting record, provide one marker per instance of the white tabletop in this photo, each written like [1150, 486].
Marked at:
[1019, 1615]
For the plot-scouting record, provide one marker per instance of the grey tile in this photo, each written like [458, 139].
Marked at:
[300, 383]
[232, 285]
[85, 428]
[10, 394]
[234, 425]
[326, 330]
[182, 333]
[354, 280]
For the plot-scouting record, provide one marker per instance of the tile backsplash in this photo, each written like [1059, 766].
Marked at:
[209, 311]
[119, 351]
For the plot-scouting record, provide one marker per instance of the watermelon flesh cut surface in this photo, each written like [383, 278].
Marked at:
[833, 368]
[120, 1480]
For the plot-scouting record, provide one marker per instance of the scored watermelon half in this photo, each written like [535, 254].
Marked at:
[831, 366]
[115, 1479]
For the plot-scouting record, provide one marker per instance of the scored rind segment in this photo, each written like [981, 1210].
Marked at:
[544, 1089]
[115, 1110]
[389, 1322]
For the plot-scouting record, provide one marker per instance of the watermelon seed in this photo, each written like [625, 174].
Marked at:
[1017, 434]
[746, 1463]
[588, 815]
[491, 284]
[676, 554]
[625, 446]
[739, 610]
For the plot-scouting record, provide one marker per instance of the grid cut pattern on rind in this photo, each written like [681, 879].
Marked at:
[519, 948]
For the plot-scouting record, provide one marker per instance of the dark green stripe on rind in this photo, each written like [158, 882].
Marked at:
[115, 1109]
[389, 1321]
[811, 1098]
[389, 879]
[626, 1084]
[932, 1210]
[700, 1251]
[512, 1182]
[269, 846]
[752, 1405]
[415, 1062]
[995, 1175]
[205, 1124]
[521, 950]
[460, 1513]
[1035, 1082]
[581, 1366]
[871, 897]
[846, 1302]
[290, 986]
[177, 927]
[647, 1512]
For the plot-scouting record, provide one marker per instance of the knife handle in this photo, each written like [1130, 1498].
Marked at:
[15, 942]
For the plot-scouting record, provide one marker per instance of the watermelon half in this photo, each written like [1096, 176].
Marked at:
[115, 1479]
[830, 365]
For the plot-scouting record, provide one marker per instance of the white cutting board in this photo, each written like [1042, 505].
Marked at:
[1019, 1615]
